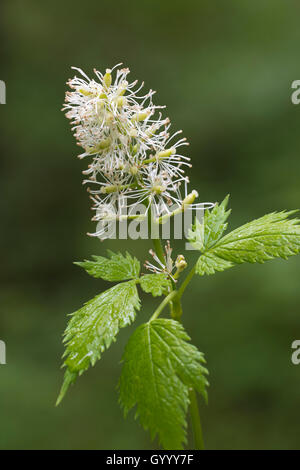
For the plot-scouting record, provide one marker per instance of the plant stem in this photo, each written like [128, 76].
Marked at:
[186, 281]
[176, 295]
[194, 410]
[196, 423]
[163, 304]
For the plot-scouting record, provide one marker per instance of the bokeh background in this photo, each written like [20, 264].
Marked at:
[224, 69]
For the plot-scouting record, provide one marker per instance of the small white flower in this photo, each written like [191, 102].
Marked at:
[160, 189]
[166, 267]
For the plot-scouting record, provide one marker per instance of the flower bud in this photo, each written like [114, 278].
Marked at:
[107, 78]
[109, 189]
[85, 92]
[166, 153]
[190, 198]
[140, 116]
[102, 145]
[180, 263]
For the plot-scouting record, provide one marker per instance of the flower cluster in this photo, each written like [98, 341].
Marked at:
[133, 157]
[166, 265]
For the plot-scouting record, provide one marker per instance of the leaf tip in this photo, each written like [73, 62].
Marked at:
[225, 201]
[69, 378]
[78, 263]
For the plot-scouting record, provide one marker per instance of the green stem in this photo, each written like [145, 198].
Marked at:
[194, 410]
[196, 423]
[163, 304]
[186, 281]
[177, 312]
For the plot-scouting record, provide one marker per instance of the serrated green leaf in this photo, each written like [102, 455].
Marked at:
[209, 264]
[94, 327]
[159, 367]
[204, 235]
[114, 268]
[155, 284]
[271, 236]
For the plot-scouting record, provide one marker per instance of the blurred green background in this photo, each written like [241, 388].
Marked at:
[224, 69]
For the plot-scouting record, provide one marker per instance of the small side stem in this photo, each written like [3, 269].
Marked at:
[186, 282]
[163, 304]
[196, 423]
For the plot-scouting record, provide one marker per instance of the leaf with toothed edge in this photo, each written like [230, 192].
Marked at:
[155, 284]
[116, 267]
[274, 235]
[204, 235]
[159, 367]
[94, 327]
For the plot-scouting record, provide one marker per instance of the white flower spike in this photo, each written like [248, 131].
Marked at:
[132, 153]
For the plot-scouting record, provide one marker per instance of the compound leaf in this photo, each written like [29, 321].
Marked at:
[159, 367]
[271, 236]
